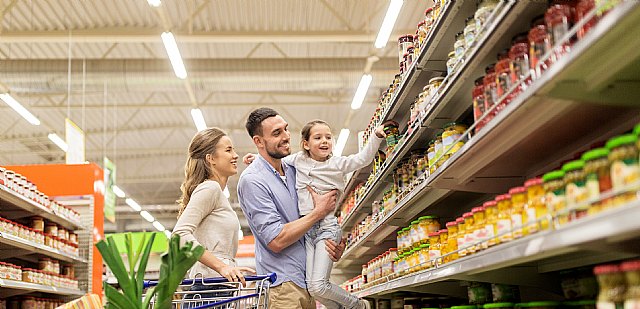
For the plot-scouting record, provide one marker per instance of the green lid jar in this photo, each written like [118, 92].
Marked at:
[576, 189]
[498, 305]
[539, 305]
[554, 188]
[623, 155]
[465, 307]
[597, 172]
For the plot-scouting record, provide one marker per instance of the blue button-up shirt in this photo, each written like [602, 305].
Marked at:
[269, 203]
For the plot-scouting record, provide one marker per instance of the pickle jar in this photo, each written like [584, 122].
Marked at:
[554, 188]
[399, 241]
[631, 271]
[431, 156]
[469, 235]
[504, 218]
[623, 155]
[612, 283]
[439, 151]
[575, 188]
[482, 14]
[430, 224]
[459, 46]
[490, 89]
[462, 230]
[478, 103]
[452, 137]
[434, 247]
[559, 20]
[424, 261]
[444, 236]
[469, 31]
[518, 213]
[535, 209]
[491, 226]
[539, 45]
[452, 241]
[406, 238]
[480, 232]
[451, 62]
[597, 172]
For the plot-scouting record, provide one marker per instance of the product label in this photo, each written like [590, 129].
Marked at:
[414, 237]
[422, 258]
[461, 244]
[576, 193]
[481, 234]
[448, 141]
[624, 173]
[422, 233]
[531, 218]
[556, 200]
[434, 254]
[632, 304]
[593, 186]
[504, 229]
[605, 305]
[516, 223]
[470, 239]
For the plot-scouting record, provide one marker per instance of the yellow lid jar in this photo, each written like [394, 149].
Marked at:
[504, 217]
[535, 207]
[452, 241]
[491, 227]
[518, 214]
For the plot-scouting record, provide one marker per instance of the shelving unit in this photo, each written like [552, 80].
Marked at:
[12, 288]
[587, 96]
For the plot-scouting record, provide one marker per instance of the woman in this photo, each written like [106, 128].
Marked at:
[205, 216]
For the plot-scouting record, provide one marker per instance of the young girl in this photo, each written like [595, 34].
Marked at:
[318, 169]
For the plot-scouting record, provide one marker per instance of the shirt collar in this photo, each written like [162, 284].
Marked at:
[273, 170]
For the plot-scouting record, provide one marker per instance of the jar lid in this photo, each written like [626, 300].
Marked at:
[399, 232]
[459, 220]
[467, 215]
[606, 269]
[503, 197]
[517, 190]
[464, 307]
[415, 222]
[422, 23]
[451, 54]
[452, 223]
[442, 231]
[424, 246]
[595, 154]
[539, 304]
[489, 204]
[630, 266]
[434, 234]
[498, 305]
[435, 79]
[579, 303]
[405, 229]
[573, 165]
[533, 182]
[558, 174]
[428, 10]
[393, 249]
[428, 217]
[477, 209]
[621, 141]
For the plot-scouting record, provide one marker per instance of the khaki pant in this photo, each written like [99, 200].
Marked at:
[289, 296]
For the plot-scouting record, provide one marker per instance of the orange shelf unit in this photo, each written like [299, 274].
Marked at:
[74, 180]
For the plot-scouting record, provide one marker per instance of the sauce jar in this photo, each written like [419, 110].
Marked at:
[612, 286]
[539, 44]
[469, 31]
[503, 82]
[491, 215]
[535, 208]
[504, 218]
[482, 14]
[631, 271]
[490, 89]
[459, 46]
[477, 96]
[520, 71]
[452, 241]
[576, 190]
[451, 62]
[480, 230]
[559, 20]
[518, 214]
[462, 231]
[404, 42]
[555, 198]
[582, 9]
[469, 235]
[623, 155]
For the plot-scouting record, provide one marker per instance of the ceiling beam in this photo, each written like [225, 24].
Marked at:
[183, 104]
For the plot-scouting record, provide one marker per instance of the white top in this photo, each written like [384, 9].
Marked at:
[328, 175]
[209, 221]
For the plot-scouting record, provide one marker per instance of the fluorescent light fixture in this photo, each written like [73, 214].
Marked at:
[387, 24]
[361, 92]
[342, 141]
[154, 3]
[58, 141]
[159, 226]
[174, 55]
[119, 193]
[135, 206]
[147, 216]
[7, 98]
[226, 192]
[198, 119]
[167, 233]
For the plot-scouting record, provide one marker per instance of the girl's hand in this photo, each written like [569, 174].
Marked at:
[248, 158]
[234, 274]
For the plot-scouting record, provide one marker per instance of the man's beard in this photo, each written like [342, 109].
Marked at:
[276, 154]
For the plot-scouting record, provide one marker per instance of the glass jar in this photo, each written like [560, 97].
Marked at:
[452, 137]
[535, 208]
[423, 257]
[503, 82]
[415, 234]
[3, 178]
[491, 215]
[479, 228]
[431, 156]
[554, 188]
[539, 45]
[430, 224]
[499, 306]
[434, 87]
[597, 172]
[435, 247]
[539, 305]
[490, 89]
[482, 14]
[428, 19]
[462, 231]
[477, 96]
[439, 154]
[422, 33]
[612, 284]
[406, 239]
[437, 7]
[410, 57]
[631, 271]
[469, 31]
[576, 192]
[444, 236]
[459, 46]
[582, 9]
[452, 241]
[469, 235]
[625, 171]
[451, 62]
[520, 71]
[404, 42]
[518, 214]
[559, 20]
[504, 218]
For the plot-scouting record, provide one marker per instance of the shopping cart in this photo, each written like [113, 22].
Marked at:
[219, 293]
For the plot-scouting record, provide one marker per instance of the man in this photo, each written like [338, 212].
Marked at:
[268, 197]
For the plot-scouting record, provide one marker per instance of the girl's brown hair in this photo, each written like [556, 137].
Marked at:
[306, 133]
[197, 170]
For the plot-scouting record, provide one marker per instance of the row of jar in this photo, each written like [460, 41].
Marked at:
[46, 278]
[53, 266]
[39, 237]
[619, 284]
[379, 210]
[21, 185]
[522, 63]
[30, 302]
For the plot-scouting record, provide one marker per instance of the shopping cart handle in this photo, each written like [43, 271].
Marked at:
[272, 278]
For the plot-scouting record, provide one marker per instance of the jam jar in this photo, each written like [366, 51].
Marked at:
[518, 213]
[490, 89]
[539, 45]
[520, 71]
[555, 198]
[625, 171]
[444, 236]
[504, 218]
[428, 19]
[503, 79]
[559, 20]
[422, 33]
[491, 226]
[462, 230]
[582, 9]
[535, 209]
[478, 103]
[575, 188]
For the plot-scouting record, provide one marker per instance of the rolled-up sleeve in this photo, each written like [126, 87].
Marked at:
[203, 201]
[261, 212]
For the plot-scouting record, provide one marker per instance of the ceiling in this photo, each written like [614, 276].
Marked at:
[102, 64]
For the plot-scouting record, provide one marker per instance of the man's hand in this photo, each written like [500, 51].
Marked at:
[335, 250]
[323, 204]
[380, 132]
[248, 158]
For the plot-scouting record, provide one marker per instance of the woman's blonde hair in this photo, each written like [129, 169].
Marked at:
[306, 133]
[197, 170]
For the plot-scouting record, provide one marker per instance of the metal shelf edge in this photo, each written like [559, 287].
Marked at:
[19, 285]
[37, 248]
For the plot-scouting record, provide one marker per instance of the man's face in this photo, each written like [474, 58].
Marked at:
[276, 137]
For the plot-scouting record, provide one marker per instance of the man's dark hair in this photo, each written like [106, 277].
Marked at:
[254, 121]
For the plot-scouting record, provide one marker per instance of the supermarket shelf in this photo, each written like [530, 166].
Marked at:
[520, 133]
[11, 288]
[12, 246]
[15, 206]
[545, 251]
